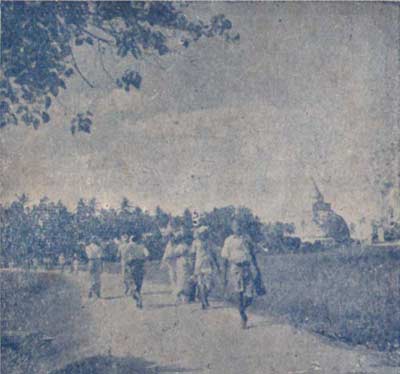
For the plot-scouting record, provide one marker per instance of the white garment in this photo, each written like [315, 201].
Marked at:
[75, 265]
[236, 249]
[169, 262]
[184, 268]
[177, 260]
[203, 262]
[169, 253]
[93, 251]
[133, 251]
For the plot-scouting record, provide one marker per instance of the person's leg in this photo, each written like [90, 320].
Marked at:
[129, 281]
[98, 284]
[247, 301]
[138, 276]
[208, 286]
[179, 296]
[206, 291]
[192, 291]
[90, 294]
[91, 280]
[203, 291]
[172, 278]
[126, 285]
[202, 295]
[242, 310]
[124, 275]
[225, 271]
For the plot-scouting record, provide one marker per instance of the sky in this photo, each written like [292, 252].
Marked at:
[311, 90]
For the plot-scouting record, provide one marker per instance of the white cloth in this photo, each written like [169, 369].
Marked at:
[177, 259]
[184, 268]
[75, 265]
[93, 251]
[236, 249]
[203, 261]
[133, 251]
[169, 253]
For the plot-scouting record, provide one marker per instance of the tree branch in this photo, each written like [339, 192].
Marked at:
[79, 71]
[96, 36]
[102, 62]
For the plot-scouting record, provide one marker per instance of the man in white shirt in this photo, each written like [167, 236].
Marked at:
[237, 252]
[133, 257]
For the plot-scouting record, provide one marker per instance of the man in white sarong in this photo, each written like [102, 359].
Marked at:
[121, 244]
[178, 262]
[204, 266]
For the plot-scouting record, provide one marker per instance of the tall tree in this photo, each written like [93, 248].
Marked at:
[39, 39]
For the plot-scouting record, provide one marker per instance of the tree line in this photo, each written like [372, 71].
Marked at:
[48, 229]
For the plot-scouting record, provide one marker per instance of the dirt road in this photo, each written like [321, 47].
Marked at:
[110, 335]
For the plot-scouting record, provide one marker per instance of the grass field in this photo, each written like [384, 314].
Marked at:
[352, 295]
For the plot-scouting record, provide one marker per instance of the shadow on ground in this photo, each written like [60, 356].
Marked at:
[118, 365]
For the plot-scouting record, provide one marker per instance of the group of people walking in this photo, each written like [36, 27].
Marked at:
[191, 266]
[194, 267]
[74, 268]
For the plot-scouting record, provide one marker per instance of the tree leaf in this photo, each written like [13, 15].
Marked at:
[45, 117]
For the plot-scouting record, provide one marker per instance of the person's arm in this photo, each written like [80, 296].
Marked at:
[225, 252]
[165, 256]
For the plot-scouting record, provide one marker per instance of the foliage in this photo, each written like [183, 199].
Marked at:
[39, 39]
[392, 233]
[48, 229]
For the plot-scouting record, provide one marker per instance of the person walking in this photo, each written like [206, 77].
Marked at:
[35, 264]
[122, 246]
[169, 258]
[237, 251]
[184, 268]
[75, 264]
[61, 262]
[134, 255]
[94, 255]
[177, 260]
[203, 265]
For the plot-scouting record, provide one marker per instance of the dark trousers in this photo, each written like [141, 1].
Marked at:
[203, 295]
[244, 303]
[95, 268]
[192, 292]
[134, 275]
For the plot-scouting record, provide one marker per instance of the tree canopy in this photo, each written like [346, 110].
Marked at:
[47, 229]
[38, 40]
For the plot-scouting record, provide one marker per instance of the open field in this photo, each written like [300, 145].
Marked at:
[352, 295]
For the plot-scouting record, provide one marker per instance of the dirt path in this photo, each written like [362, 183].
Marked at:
[187, 339]
[111, 336]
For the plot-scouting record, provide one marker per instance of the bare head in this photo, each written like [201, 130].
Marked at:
[235, 227]
[125, 238]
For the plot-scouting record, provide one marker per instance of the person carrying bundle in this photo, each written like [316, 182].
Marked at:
[246, 277]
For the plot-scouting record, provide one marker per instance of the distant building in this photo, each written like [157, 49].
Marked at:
[324, 225]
